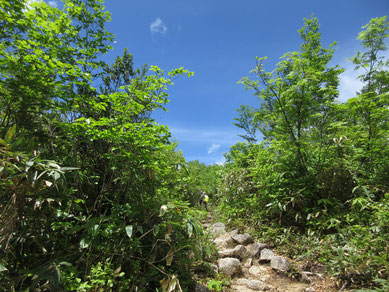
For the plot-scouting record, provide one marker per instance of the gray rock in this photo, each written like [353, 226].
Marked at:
[224, 242]
[266, 255]
[215, 268]
[243, 238]
[217, 228]
[310, 289]
[239, 252]
[227, 253]
[255, 249]
[248, 263]
[279, 263]
[229, 266]
[255, 270]
[201, 288]
[252, 284]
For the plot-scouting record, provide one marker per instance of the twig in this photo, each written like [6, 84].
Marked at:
[344, 286]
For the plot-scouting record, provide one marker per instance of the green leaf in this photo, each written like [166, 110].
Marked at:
[29, 164]
[169, 257]
[190, 229]
[84, 243]
[2, 268]
[10, 133]
[129, 230]
[156, 230]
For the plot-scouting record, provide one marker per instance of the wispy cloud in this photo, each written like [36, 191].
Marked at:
[349, 84]
[205, 145]
[213, 148]
[158, 26]
[53, 3]
[206, 136]
[221, 161]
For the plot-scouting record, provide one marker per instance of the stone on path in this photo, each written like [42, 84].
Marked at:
[229, 266]
[261, 272]
[255, 249]
[222, 242]
[239, 252]
[217, 228]
[248, 263]
[266, 255]
[252, 284]
[243, 238]
[201, 288]
[225, 240]
[255, 270]
[227, 253]
[279, 263]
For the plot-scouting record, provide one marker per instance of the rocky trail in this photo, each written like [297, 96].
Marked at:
[252, 266]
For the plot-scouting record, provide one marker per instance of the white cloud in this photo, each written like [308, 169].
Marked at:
[349, 83]
[213, 148]
[158, 26]
[28, 4]
[221, 161]
[53, 3]
[217, 136]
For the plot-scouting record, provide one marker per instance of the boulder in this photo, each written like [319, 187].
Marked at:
[252, 284]
[217, 228]
[229, 266]
[266, 255]
[227, 253]
[248, 263]
[255, 249]
[255, 270]
[239, 252]
[279, 263]
[243, 239]
[224, 242]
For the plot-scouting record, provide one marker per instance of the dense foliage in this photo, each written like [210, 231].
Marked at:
[90, 193]
[321, 168]
[94, 196]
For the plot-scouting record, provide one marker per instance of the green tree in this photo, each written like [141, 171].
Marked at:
[297, 95]
[247, 122]
[116, 223]
[369, 115]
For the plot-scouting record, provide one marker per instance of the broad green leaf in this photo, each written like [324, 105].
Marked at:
[84, 243]
[129, 230]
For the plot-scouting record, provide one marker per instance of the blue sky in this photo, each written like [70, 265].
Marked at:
[219, 40]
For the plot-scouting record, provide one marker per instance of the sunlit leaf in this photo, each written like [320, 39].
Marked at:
[129, 230]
